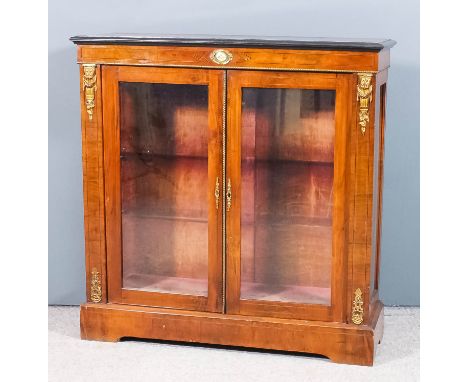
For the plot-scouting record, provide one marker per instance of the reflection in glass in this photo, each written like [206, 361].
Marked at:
[164, 177]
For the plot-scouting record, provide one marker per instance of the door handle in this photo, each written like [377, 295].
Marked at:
[228, 195]
[216, 193]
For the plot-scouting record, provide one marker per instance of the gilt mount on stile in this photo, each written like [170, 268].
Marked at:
[233, 190]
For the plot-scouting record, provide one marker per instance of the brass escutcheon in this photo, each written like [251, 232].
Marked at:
[221, 56]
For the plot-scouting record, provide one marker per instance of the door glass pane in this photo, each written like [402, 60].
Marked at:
[164, 178]
[287, 194]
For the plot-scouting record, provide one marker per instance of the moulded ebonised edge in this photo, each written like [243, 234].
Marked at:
[238, 41]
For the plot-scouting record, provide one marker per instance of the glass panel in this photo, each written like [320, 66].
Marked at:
[287, 194]
[377, 187]
[164, 178]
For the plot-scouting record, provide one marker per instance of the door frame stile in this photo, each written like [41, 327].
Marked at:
[224, 154]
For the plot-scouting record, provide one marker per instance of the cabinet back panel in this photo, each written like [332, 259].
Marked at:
[288, 124]
[164, 186]
[164, 119]
[159, 249]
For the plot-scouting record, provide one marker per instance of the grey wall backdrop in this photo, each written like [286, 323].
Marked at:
[396, 19]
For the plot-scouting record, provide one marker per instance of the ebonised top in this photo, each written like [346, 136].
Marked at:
[372, 45]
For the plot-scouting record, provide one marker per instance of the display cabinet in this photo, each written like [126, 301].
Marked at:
[233, 191]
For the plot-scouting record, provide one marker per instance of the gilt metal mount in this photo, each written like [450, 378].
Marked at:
[364, 96]
[95, 288]
[89, 88]
[228, 196]
[358, 311]
[217, 192]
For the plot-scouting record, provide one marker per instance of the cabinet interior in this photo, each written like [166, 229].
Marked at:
[287, 191]
[287, 194]
[164, 185]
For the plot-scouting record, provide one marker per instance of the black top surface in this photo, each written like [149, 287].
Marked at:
[367, 44]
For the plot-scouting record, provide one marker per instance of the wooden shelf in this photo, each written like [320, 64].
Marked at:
[245, 161]
[165, 284]
[165, 187]
[265, 221]
[149, 156]
[278, 161]
[289, 221]
[138, 214]
[285, 293]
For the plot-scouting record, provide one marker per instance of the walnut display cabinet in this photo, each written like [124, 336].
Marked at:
[233, 191]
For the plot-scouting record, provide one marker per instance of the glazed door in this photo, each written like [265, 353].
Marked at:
[163, 140]
[286, 194]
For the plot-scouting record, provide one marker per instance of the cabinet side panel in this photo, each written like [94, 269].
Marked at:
[93, 183]
[375, 186]
[380, 102]
[361, 198]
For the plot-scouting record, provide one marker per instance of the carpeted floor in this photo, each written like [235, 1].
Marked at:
[71, 359]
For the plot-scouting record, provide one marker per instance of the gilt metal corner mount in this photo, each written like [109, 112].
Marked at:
[357, 316]
[95, 294]
[89, 88]
[364, 96]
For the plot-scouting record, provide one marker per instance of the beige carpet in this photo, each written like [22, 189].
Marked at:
[71, 359]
